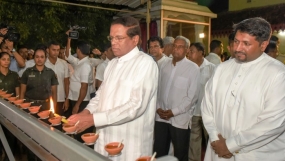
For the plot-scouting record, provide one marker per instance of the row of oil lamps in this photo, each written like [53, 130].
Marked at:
[113, 148]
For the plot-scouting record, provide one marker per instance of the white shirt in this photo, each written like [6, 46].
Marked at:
[28, 64]
[162, 61]
[245, 103]
[82, 74]
[178, 91]
[61, 70]
[207, 69]
[124, 105]
[100, 70]
[92, 61]
[214, 58]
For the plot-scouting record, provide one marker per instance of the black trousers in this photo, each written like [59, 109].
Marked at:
[81, 108]
[164, 134]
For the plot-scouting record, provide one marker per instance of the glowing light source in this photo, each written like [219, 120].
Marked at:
[201, 35]
[51, 105]
[281, 33]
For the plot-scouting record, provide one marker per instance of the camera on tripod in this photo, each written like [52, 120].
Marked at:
[74, 34]
[11, 34]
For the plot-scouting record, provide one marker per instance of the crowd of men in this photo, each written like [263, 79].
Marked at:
[172, 98]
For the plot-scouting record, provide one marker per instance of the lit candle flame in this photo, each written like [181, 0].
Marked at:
[51, 105]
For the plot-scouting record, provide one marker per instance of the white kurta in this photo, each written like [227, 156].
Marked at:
[214, 58]
[245, 102]
[124, 106]
[178, 91]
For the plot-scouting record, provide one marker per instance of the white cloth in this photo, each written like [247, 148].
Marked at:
[124, 105]
[101, 69]
[214, 58]
[178, 91]
[244, 102]
[162, 61]
[207, 69]
[82, 74]
[61, 70]
[92, 61]
[28, 64]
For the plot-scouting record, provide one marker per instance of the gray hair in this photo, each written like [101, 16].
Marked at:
[168, 40]
[187, 41]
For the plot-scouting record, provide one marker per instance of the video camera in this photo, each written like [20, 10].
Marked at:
[74, 34]
[11, 35]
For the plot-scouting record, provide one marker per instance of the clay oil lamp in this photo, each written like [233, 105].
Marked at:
[34, 109]
[2, 92]
[69, 128]
[90, 138]
[55, 120]
[114, 148]
[44, 114]
[11, 99]
[147, 158]
[18, 102]
[25, 105]
[6, 96]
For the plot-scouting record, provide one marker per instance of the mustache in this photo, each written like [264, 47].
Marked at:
[239, 52]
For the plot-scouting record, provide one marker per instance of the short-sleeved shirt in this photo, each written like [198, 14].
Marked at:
[39, 83]
[9, 82]
[61, 70]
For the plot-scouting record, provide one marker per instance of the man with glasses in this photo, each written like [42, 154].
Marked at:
[177, 95]
[124, 105]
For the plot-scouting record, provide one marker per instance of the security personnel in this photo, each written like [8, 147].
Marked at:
[39, 83]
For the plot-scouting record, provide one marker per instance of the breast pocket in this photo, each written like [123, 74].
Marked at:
[123, 90]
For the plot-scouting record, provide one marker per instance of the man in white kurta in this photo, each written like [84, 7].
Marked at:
[124, 105]
[244, 101]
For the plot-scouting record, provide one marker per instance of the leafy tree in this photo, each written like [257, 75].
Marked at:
[40, 22]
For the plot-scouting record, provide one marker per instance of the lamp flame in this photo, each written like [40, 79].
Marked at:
[51, 105]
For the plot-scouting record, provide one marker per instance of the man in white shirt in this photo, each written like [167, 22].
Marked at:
[216, 48]
[60, 68]
[155, 47]
[168, 43]
[124, 105]
[101, 67]
[207, 69]
[177, 95]
[243, 108]
[79, 91]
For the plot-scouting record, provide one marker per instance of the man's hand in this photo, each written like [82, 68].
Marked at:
[167, 114]
[96, 51]
[75, 109]
[160, 112]
[3, 31]
[220, 147]
[85, 121]
[65, 105]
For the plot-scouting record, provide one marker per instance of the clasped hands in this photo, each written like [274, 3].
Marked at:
[220, 147]
[164, 114]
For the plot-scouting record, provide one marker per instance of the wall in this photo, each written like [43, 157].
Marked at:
[242, 4]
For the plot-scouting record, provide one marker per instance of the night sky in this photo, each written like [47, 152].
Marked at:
[215, 6]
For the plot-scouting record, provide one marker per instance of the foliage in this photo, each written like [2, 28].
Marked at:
[39, 22]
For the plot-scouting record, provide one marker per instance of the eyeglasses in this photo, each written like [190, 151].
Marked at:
[116, 38]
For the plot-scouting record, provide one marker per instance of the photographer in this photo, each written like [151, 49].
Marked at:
[8, 39]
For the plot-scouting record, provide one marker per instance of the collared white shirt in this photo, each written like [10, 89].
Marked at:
[162, 61]
[124, 105]
[101, 69]
[207, 69]
[61, 70]
[82, 74]
[244, 102]
[214, 58]
[178, 91]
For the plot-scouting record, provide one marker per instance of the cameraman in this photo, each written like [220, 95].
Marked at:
[7, 45]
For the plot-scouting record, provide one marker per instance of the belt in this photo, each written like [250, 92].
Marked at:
[37, 101]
